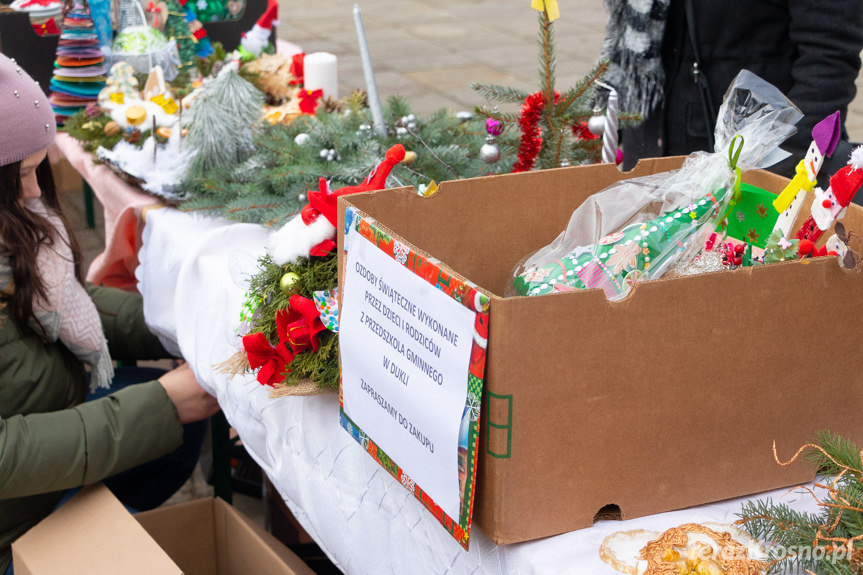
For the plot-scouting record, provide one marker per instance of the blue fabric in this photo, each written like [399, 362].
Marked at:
[100, 10]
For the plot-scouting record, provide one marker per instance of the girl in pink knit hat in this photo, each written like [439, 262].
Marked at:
[57, 337]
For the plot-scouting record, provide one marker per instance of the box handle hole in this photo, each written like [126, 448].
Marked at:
[610, 512]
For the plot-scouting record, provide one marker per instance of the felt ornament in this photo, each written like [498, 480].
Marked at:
[314, 229]
[255, 40]
[829, 205]
[753, 217]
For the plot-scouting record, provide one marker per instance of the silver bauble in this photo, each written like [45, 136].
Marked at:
[489, 153]
[596, 124]
[301, 139]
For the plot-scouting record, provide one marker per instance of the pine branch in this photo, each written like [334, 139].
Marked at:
[502, 117]
[817, 542]
[494, 93]
[582, 86]
[547, 60]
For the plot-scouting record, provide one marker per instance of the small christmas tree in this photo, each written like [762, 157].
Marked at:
[550, 122]
[177, 28]
[223, 123]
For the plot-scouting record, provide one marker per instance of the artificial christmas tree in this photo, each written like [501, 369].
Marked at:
[223, 121]
[177, 29]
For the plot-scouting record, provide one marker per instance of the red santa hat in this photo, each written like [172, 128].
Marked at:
[270, 17]
[848, 180]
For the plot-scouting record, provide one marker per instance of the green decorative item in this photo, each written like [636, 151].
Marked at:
[223, 125]
[779, 249]
[619, 259]
[176, 28]
[752, 219]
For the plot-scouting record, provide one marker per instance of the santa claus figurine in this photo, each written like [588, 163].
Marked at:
[829, 205]
[255, 40]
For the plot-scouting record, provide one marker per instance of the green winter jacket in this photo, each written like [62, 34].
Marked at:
[49, 439]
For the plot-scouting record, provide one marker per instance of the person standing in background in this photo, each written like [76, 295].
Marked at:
[672, 60]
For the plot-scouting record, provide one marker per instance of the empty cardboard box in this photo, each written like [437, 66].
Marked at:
[668, 399]
[93, 533]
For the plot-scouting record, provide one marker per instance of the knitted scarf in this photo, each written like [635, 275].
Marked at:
[633, 49]
[67, 313]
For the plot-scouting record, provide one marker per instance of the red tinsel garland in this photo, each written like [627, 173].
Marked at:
[531, 134]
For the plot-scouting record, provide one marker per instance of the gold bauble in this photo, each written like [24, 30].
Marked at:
[287, 282]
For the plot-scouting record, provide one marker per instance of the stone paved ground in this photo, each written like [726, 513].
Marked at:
[430, 51]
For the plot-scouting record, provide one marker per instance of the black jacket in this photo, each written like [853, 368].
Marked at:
[809, 49]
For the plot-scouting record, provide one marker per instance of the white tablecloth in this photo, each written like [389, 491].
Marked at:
[193, 276]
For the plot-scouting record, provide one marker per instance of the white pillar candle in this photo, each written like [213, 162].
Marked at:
[369, 73]
[321, 71]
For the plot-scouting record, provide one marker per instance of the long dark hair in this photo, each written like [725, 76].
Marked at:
[24, 233]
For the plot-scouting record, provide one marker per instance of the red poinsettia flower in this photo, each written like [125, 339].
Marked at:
[309, 100]
[297, 62]
[271, 360]
[300, 325]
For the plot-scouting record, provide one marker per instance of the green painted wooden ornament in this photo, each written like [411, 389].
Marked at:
[287, 282]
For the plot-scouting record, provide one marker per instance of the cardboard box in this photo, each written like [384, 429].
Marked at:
[93, 533]
[668, 399]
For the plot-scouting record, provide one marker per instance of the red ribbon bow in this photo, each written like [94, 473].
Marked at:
[297, 69]
[271, 360]
[300, 325]
[48, 27]
[309, 100]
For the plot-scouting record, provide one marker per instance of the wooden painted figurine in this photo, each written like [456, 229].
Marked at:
[825, 138]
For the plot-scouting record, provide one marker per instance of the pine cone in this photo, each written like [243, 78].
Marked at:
[332, 105]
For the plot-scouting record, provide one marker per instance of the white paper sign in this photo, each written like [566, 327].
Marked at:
[405, 350]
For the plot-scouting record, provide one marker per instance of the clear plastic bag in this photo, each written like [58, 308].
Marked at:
[638, 228]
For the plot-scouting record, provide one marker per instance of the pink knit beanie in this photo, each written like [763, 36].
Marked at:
[26, 119]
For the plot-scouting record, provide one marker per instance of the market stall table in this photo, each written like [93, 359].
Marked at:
[193, 274]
